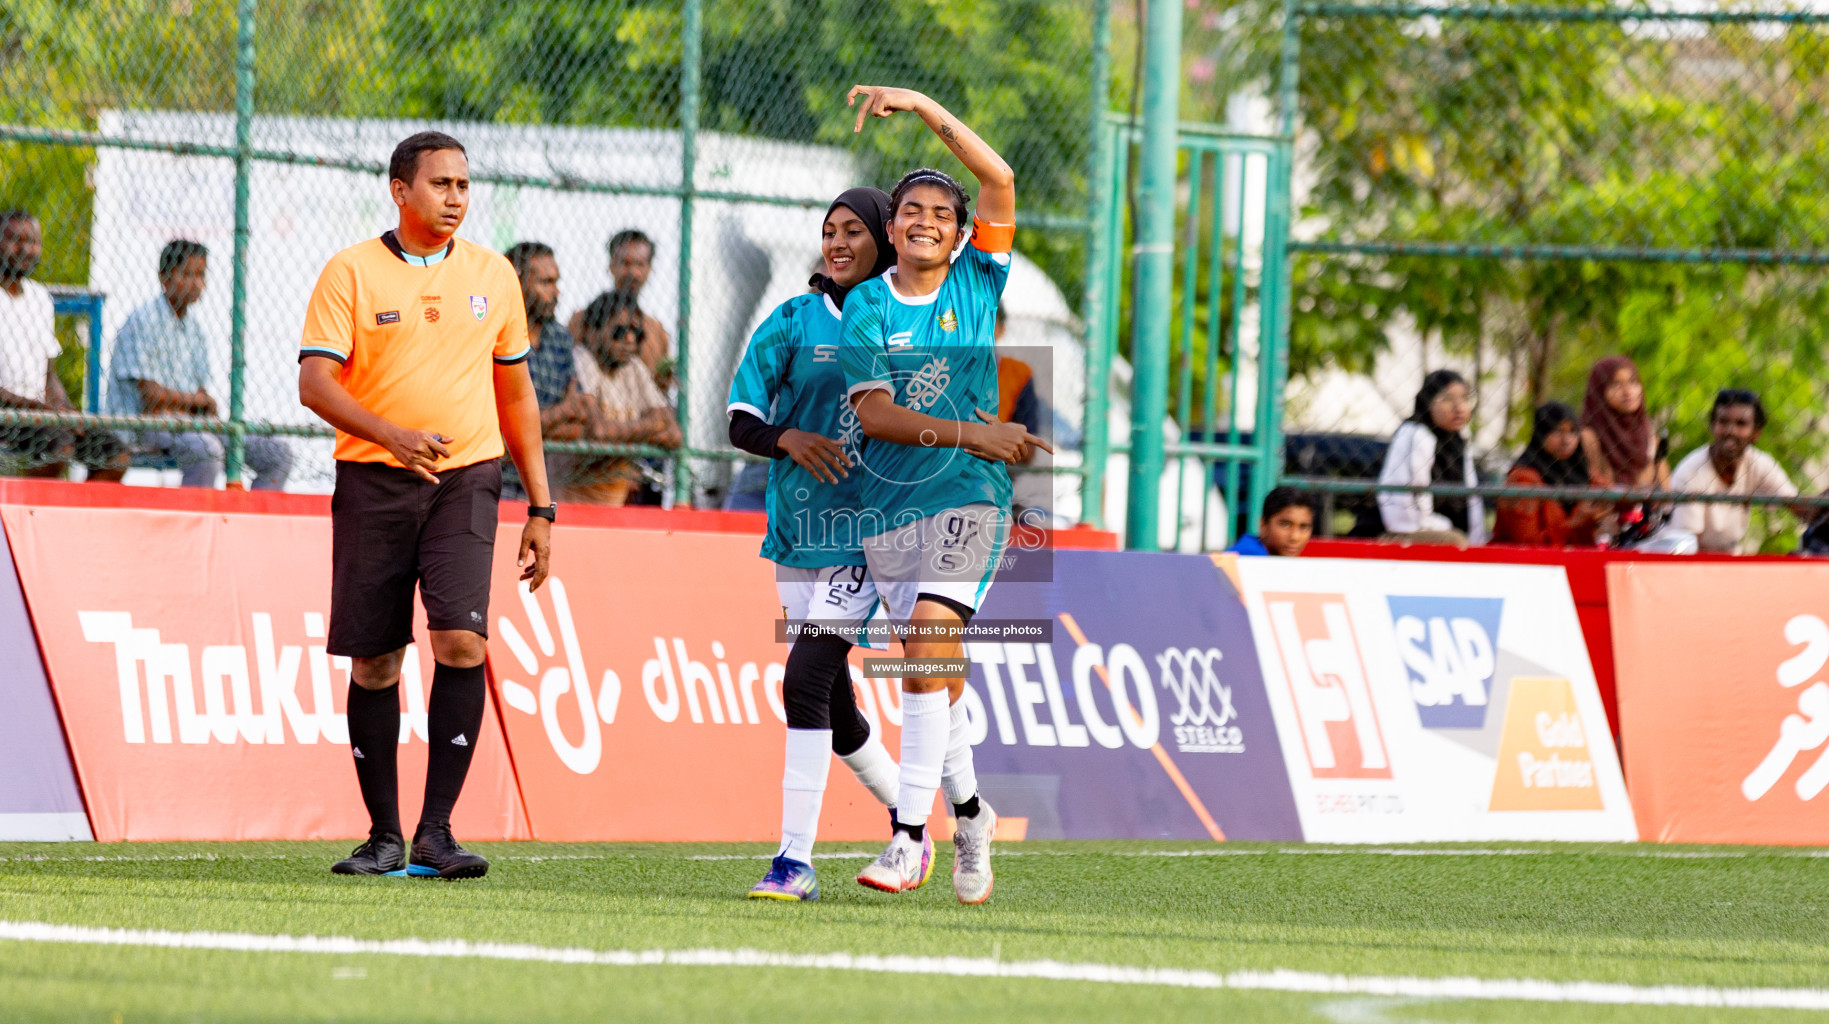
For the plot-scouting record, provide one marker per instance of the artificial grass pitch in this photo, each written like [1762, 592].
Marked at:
[1727, 918]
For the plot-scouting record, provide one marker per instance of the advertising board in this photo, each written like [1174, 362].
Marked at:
[1434, 702]
[186, 652]
[1724, 699]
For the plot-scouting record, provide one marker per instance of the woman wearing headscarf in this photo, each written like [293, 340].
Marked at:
[1552, 459]
[1617, 435]
[788, 404]
[1431, 448]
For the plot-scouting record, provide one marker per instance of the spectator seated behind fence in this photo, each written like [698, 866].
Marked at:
[566, 413]
[1284, 527]
[631, 264]
[1617, 435]
[1728, 464]
[28, 365]
[630, 408]
[1553, 458]
[1431, 448]
[160, 366]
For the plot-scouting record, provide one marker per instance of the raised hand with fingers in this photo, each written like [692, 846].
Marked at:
[880, 101]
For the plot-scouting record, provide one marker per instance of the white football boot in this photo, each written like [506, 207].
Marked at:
[972, 855]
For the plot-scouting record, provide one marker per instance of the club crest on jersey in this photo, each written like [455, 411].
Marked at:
[949, 322]
[479, 304]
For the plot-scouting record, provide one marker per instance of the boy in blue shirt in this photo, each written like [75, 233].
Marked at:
[1284, 527]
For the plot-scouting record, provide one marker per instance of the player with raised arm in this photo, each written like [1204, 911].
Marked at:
[415, 349]
[921, 370]
[788, 404]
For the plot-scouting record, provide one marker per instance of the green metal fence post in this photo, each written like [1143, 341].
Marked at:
[691, 39]
[1274, 297]
[1100, 243]
[238, 282]
[1153, 279]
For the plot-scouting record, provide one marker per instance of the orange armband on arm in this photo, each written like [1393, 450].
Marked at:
[988, 237]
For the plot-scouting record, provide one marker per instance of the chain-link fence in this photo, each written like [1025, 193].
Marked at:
[1517, 193]
[717, 129]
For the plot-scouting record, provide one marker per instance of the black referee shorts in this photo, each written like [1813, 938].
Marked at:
[390, 530]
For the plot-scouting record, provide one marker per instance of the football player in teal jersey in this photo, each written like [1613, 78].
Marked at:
[788, 404]
[920, 367]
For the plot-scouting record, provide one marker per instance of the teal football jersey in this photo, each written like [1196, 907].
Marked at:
[790, 376]
[935, 354]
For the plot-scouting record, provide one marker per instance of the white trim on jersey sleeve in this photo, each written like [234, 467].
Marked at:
[735, 407]
[863, 386]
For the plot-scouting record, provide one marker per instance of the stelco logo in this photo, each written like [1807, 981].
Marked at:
[1205, 703]
[1204, 720]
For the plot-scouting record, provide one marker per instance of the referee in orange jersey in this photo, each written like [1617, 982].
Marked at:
[415, 349]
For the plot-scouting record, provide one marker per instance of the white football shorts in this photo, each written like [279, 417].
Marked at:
[839, 597]
[951, 554]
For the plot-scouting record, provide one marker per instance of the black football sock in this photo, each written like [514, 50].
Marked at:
[915, 832]
[374, 743]
[454, 718]
[968, 809]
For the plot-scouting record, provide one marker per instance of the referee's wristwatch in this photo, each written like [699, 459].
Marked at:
[550, 513]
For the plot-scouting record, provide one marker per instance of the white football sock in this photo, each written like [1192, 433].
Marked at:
[803, 789]
[924, 729]
[959, 779]
[875, 769]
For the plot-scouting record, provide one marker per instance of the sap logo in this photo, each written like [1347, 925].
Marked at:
[825, 353]
[1808, 728]
[1327, 683]
[1449, 653]
[158, 678]
[901, 339]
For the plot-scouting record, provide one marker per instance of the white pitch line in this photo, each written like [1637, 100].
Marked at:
[1004, 850]
[1513, 989]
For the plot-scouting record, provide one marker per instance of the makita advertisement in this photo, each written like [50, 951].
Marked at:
[1724, 699]
[1142, 716]
[187, 655]
[1434, 702]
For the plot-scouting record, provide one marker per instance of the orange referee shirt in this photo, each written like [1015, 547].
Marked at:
[418, 344]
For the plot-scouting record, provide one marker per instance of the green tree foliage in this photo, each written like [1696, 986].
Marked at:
[1590, 134]
[778, 69]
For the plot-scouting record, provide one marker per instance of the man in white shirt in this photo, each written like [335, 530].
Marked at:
[1729, 464]
[28, 373]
